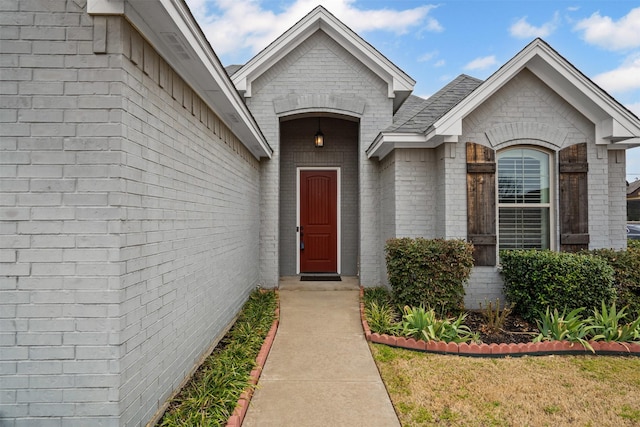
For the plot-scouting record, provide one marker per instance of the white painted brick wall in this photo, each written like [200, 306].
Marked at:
[617, 199]
[415, 193]
[485, 285]
[528, 100]
[190, 247]
[340, 150]
[60, 263]
[388, 196]
[513, 115]
[320, 66]
[387, 204]
[129, 219]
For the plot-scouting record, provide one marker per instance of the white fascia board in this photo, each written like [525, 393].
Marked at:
[558, 74]
[319, 18]
[451, 122]
[612, 130]
[387, 142]
[203, 71]
[247, 129]
[624, 144]
[273, 53]
[368, 55]
[453, 131]
[615, 122]
[596, 104]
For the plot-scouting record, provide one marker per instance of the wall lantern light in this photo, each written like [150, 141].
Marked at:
[318, 139]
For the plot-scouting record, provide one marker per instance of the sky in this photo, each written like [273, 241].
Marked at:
[436, 41]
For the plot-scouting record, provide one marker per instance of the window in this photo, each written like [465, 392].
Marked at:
[524, 199]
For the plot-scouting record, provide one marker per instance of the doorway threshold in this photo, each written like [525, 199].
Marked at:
[320, 277]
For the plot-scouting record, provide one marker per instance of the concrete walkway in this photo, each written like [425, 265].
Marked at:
[320, 371]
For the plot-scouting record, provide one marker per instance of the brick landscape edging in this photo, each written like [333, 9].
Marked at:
[496, 350]
[235, 420]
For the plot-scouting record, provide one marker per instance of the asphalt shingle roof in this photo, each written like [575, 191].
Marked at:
[232, 69]
[417, 115]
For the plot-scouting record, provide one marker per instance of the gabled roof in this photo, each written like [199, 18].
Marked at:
[399, 83]
[441, 121]
[232, 69]
[417, 115]
[614, 123]
[424, 115]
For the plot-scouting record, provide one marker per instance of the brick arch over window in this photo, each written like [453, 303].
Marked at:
[293, 104]
[550, 136]
[481, 200]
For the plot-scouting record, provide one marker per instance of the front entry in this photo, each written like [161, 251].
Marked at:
[318, 229]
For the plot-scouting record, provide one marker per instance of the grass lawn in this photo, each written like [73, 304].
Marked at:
[429, 390]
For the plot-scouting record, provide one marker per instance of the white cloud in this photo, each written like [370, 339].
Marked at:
[481, 63]
[612, 35]
[524, 30]
[433, 25]
[428, 56]
[431, 56]
[624, 78]
[233, 25]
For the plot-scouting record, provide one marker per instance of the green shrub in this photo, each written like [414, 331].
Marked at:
[535, 280]
[626, 266]
[430, 273]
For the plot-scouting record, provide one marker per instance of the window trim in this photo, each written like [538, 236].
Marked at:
[551, 204]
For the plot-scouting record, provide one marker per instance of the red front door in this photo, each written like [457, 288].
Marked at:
[318, 221]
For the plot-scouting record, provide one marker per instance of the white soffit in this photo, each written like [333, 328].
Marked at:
[170, 28]
[400, 85]
[387, 142]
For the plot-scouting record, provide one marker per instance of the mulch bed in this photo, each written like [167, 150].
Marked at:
[515, 329]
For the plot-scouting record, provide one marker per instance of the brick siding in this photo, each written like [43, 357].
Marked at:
[318, 67]
[129, 215]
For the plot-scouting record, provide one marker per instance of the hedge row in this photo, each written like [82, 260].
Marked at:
[432, 273]
[626, 276]
[536, 280]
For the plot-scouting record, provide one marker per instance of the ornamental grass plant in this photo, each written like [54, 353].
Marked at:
[210, 397]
